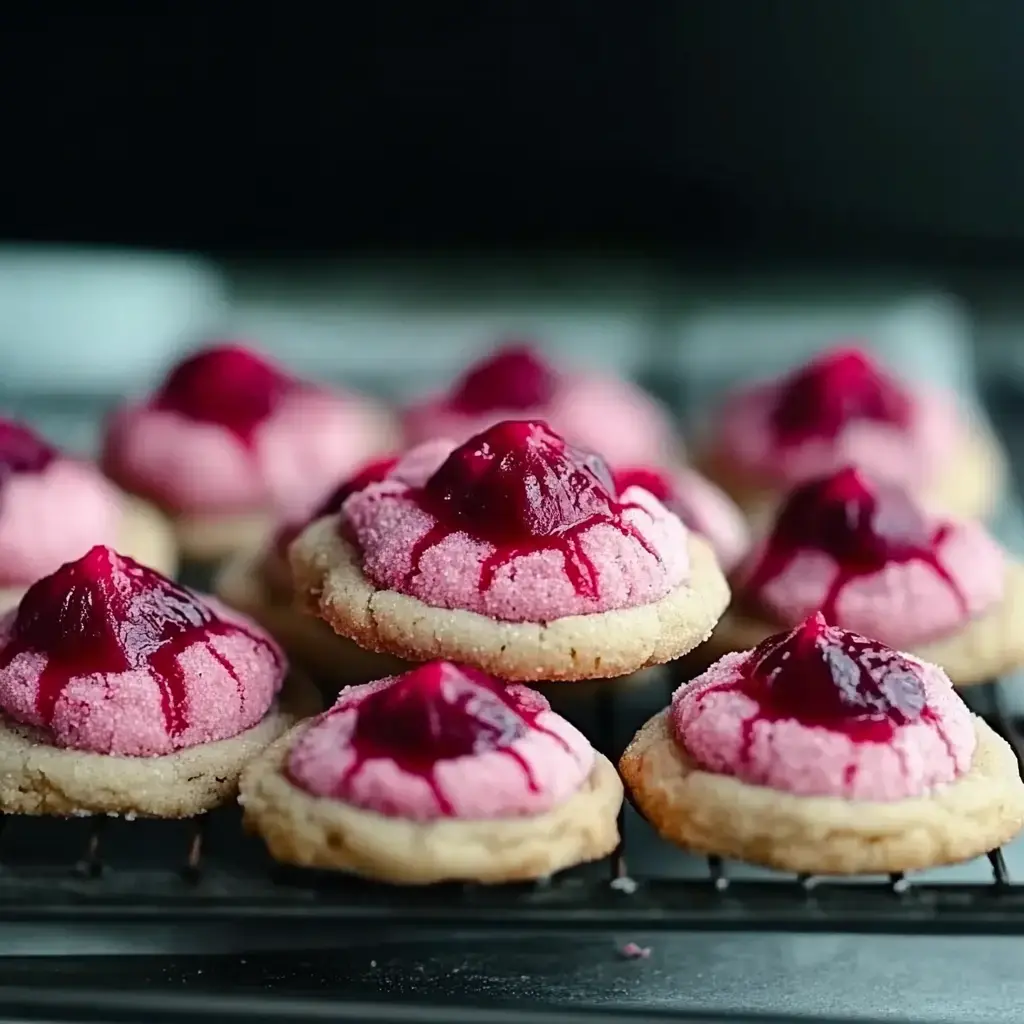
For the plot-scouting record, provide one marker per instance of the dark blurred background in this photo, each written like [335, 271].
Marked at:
[842, 130]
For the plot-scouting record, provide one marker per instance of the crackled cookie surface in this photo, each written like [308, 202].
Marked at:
[517, 555]
[407, 774]
[603, 413]
[843, 409]
[107, 667]
[833, 753]
[54, 508]
[229, 433]
[873, 560]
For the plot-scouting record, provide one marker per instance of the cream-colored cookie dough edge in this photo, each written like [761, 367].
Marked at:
[330, 582]
[331, 659]
[316, 832]
[716, 814]
[975, 477]
[147, 536]
[38, 778]
[986, 648]
[209, 538]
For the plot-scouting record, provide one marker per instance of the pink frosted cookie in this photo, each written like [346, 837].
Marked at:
[230, 442]
[123, 693]
[842, 409]
[870, 557]
[439, 774]
[53, 508]
[702, 506]
[603, 413]
[823, 752]
[517, 555]
[260, 583]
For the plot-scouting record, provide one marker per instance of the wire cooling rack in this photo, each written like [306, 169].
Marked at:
[206, 869]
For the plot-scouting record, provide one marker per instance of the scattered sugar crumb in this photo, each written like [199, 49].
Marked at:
[631, 951]
[625, 884]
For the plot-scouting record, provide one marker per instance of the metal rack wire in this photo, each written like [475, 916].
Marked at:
[205, 868]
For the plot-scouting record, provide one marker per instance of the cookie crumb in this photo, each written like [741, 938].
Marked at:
[624, 884]
[631, 951]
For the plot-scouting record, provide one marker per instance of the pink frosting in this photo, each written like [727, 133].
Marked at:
[300, 451]
[388, 524]
[229, 682]
[905, 604]
[52, 516]
[414, 468]
[911, 456]
[493, 784]
[612, 417]
[713, 722]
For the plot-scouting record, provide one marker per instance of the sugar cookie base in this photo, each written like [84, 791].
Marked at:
[39, 778]
[333, 661]
[329, 580]
[316, 832]
[986, 648]
[719, 815]
[211, 537]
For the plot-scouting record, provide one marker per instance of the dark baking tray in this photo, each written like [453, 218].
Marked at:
[138, 920]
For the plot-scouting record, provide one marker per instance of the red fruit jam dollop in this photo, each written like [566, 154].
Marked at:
[840, 386]
[436, 713]
[226, 385]
[106, 614]
[522, 488]
[824, 676]
[514, 377]
[22, 450]
[823, 711]
[861, 525]
[658, 484]
[372, 473]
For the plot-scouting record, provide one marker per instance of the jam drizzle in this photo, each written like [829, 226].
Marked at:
[521, 488]
[515, 377]
[661, 486]
[862, 526]
[106, 614]
[828, 678]
[228, 386]
[840, 386]
[440, 712]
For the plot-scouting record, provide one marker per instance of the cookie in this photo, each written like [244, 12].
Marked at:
[123, 693]
[875, 560]
[822, 752]
[840, 409]
[714, 814]
[230, 442]
[521, 796]
[517, 555]
[599, 412]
